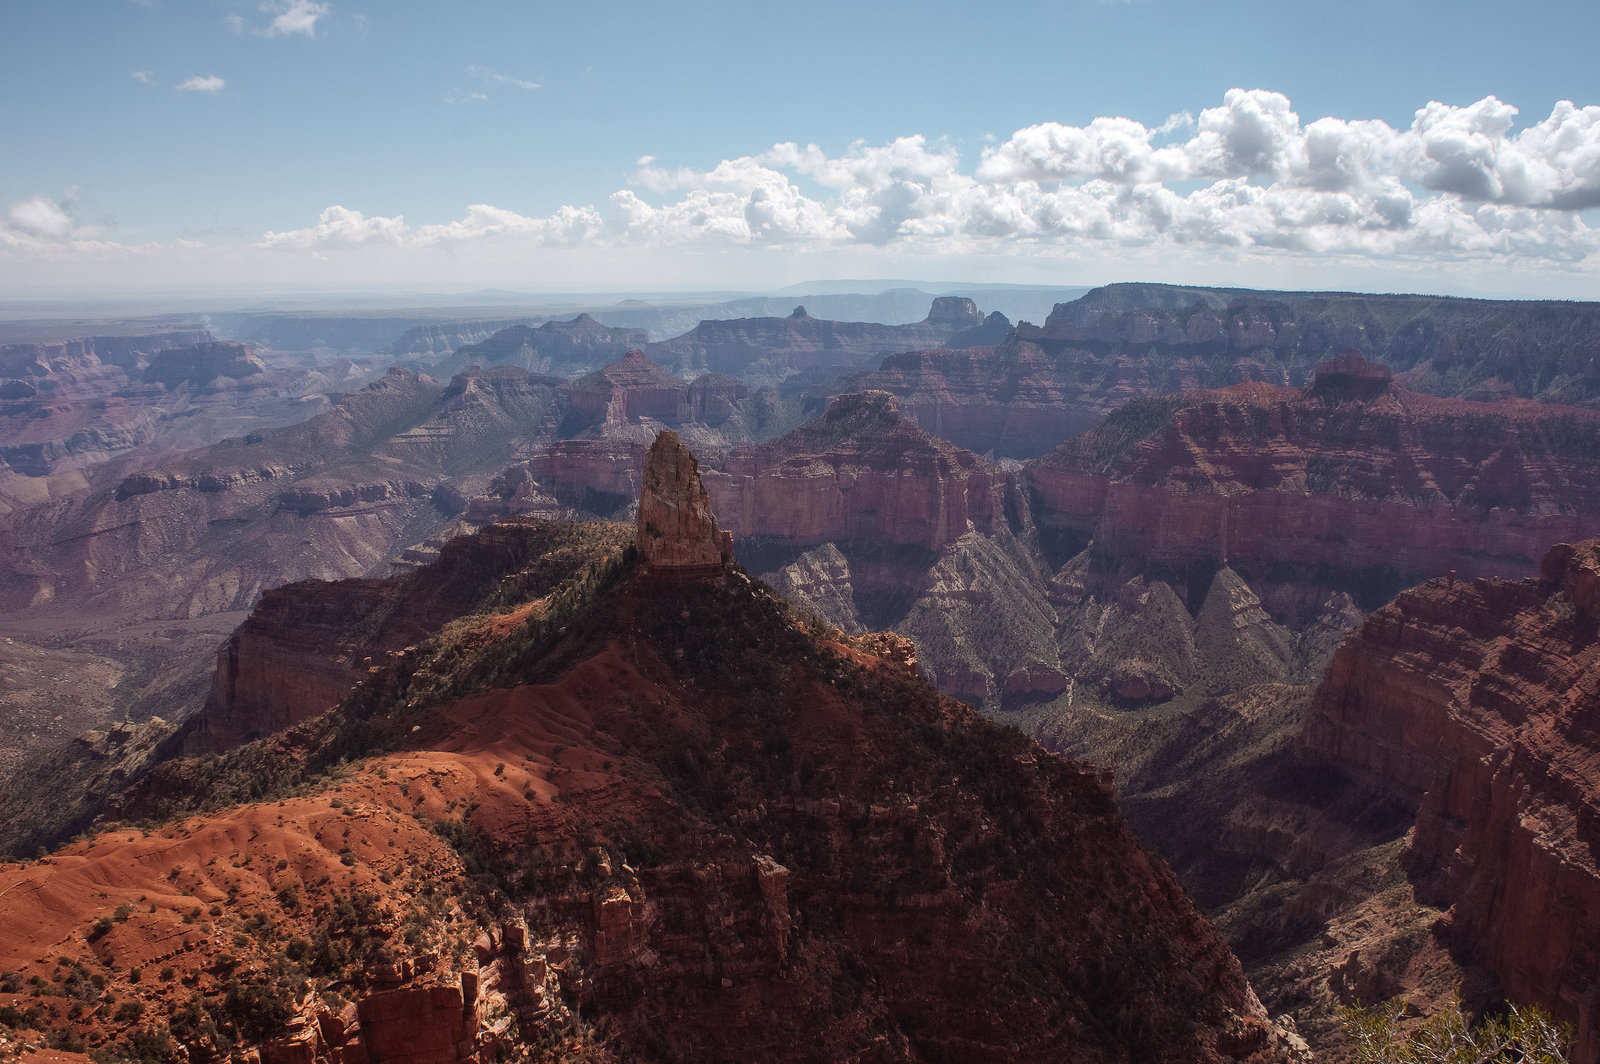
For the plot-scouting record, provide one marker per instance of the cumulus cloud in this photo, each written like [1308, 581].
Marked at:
[40, 220]
[1246, 175]
[294, 16]
[143, 76]
[339, 225]
[43, 217]
[209, 83]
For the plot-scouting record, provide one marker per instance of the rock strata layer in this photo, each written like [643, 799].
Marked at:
[1351, 474]
[861, 471]
[1477, 703]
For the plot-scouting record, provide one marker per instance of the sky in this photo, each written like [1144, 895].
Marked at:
[169, 146]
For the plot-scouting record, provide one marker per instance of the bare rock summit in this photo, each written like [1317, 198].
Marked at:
[677, 528]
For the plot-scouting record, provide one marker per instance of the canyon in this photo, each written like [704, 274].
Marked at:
[1137, 533]
[629, 848]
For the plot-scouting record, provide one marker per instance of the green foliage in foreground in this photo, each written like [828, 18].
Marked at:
[1522, 1036]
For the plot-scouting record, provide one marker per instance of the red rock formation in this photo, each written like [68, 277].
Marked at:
[307, 645]
[713, 398]
[1535, 350]
[1478, 703]
[572, 469]
[677, 530]
[1043, 384]
[418, 1025]
[1258, 476]
[632, 388]
[859, 471]
[1012, 400]
[1350, 377]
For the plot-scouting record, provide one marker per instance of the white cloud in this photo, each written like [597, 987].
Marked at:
[1249, 177]
[294, 16]
[1249, 180]
[43, 218]
[497, 78]
[209, 83]
[143, 76]
[339, 225]
[235, 23]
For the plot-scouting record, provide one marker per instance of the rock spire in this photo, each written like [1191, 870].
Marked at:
[677, 530]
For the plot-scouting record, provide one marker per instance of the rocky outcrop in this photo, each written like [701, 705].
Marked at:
[861, 471]
[1477, 704]
[596, 475]
[290, 661]
[677, 530]
[200, 364]
[1011, 400]
[1351, 475]
[562, 348]
[307, 645]
[777, 348]
[629, 389]
[417, 1025]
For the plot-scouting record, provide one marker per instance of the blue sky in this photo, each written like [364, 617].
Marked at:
[169, 145]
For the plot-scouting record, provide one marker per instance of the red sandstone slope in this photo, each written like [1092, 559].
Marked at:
[1375, 478]
[303, 650]
[1478, 703]
[661, 818]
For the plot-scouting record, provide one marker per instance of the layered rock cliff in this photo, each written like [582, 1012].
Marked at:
[1350, 475]
[128, 353]
[860, 471]
[336, 496]
[199, 364]
[1009, 400]
[1042, 384]
[1468, 348]
[772, 349]
[75, 407]
[1477, 704]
